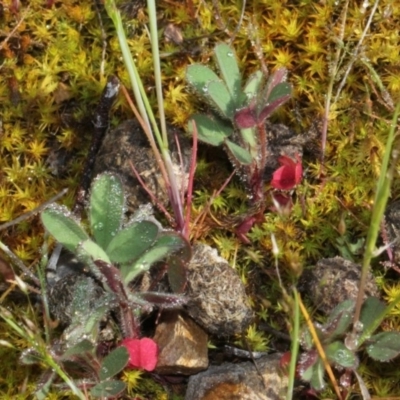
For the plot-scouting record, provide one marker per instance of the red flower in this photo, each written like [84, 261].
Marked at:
[289, 174]
[143, 353]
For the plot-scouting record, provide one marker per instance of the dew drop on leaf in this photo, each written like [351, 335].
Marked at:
[351, 341]
[358, 326]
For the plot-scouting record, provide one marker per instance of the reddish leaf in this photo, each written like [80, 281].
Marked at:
[271, 107]
[246, 117]
[289, 174]
[143, 353]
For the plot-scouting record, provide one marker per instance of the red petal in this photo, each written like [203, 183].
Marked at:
[289, 174]
[143, 353]
[284, 178]
[148, 354]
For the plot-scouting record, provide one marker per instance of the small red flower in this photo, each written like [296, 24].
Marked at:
[289, 174]
[143, 353]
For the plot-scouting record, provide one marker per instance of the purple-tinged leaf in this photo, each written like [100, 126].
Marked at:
[282, 90]
[246, 117]
[311, 369]
[112, 276]
[271, 107]
[306, 361]
[274, 80]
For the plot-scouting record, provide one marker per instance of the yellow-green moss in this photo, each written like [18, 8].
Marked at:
[50, 83]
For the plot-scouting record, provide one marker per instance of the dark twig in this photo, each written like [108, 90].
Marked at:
[100, 121]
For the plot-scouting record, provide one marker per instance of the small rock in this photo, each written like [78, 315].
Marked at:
[217, 296]
[240, 381]
[182, 344]
[334, 280]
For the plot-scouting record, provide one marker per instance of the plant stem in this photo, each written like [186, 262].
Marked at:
[381, 198]
[294, 349]
[157, 69]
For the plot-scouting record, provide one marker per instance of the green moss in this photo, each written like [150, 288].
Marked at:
[50, 83]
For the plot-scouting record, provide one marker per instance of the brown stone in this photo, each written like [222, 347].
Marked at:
[182, 343]
[217, 296]
[240, 381]
[334, 280]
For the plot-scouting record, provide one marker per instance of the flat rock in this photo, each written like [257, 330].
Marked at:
[217, 296]
[182, 344]
[240, 381]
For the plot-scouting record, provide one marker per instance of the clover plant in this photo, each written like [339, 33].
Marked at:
[340, 345]
[239, 112]
[116, 252]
